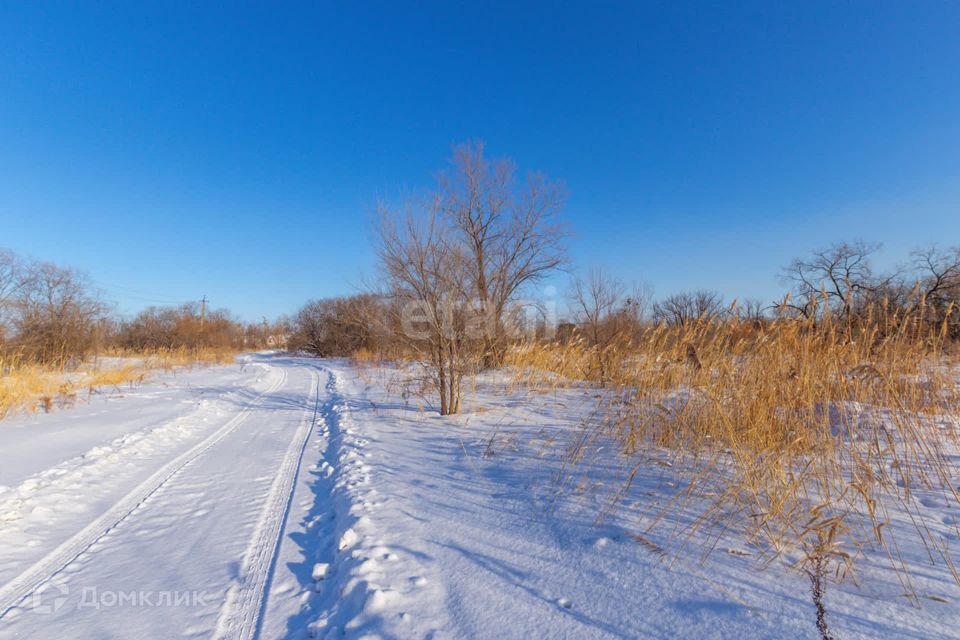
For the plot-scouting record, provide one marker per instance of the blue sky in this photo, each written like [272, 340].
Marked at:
[173, 150]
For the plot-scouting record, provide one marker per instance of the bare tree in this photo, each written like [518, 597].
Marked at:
[509, 231]
[12, 281]
[11, 275]
[689, 307]
[840, 276]
[311, 327]
[605, 311]
[460, 261]
[429, 279]
[637, 305]
[937, 273]
[340, 326]
[58, 316]
[752, 310]
[181, 327]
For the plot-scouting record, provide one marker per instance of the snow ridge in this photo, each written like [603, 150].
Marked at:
[355, 572]
[337, 600]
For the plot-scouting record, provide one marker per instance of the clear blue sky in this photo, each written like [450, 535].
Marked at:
[228, 149]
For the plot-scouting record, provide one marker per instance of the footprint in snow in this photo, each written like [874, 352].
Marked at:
[379, 600]
[600, 543]
[320, 571]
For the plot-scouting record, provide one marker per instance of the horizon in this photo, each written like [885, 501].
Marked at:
[177, 152]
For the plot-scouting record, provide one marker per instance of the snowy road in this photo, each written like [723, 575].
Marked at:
[296, 498]
[188, 551]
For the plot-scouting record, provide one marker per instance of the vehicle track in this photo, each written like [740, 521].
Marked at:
[242, 613]
[47, 567]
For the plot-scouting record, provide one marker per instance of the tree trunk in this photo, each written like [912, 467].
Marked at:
[442, 378]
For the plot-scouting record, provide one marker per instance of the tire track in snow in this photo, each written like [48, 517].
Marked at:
[27, 582]
[243, 611]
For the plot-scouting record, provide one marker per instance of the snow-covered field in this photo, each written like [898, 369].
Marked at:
[291, 497]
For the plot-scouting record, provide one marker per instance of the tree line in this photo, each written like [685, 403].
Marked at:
[456, 262]
[459, 266]
[56, 316]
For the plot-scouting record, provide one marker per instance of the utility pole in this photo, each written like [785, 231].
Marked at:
[203, 311]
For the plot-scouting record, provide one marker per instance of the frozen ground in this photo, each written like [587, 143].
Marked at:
[290, 497]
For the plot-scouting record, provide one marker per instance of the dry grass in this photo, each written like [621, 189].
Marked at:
[31, 387]
[804, 438]
[363, 358]
[183, 357]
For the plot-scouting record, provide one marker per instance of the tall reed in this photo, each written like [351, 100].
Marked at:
[805, 436]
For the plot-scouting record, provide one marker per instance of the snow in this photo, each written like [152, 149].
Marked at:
[320, 570]
[287, 497]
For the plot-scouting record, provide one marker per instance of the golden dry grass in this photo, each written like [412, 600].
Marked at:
[803, 437]
[32, 387]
